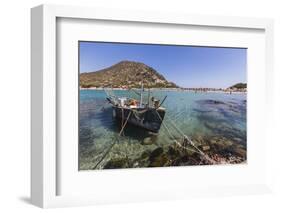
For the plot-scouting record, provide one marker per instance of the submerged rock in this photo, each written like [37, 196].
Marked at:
[117, 163]
[156, 153]
[159, 161]
[210, 101]
[228, 143]
[142, 160]
[86, 135]
[205, 148]
[158, 158]
[240, 152]
[145, 155]
[147, 141]
[173, 152]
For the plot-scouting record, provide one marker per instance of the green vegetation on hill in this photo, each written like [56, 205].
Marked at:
[239, 86]
[125, 74]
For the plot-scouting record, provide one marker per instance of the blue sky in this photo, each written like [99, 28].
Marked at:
[187, 66]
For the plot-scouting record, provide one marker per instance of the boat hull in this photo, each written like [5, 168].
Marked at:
[149, 119]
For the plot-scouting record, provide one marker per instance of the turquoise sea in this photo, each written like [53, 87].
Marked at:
[216, 123]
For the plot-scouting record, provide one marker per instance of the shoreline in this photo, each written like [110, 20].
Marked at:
[171, 90]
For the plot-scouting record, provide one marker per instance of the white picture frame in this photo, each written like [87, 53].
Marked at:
[44, 154]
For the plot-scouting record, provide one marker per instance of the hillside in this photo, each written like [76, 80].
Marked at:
[239, 86]
[125, 74]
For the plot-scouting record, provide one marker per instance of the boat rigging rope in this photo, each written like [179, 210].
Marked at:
[185, 137]
[190, 142]
[178, 143]
[178, 115]
[122, 123]
[184, 147]
[106, 153]
[112, 145]
[125, 123]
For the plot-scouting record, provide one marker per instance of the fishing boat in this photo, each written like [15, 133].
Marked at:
[148, 116]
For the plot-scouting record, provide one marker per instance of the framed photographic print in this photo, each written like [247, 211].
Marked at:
[149, 106]
[201, 105]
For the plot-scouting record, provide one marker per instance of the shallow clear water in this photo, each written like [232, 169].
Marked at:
[204, 117]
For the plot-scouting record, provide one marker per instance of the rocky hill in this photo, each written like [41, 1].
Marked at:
[239, 86]
[126, 74]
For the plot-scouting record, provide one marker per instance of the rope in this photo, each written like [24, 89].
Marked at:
[135, 112]
[122, 117]
[140, 112]
[178, 115]
[192, 144]
[178, 143]
[125, 123]
[112, 145]
[188, 139]
[106, 153]
[110, 94]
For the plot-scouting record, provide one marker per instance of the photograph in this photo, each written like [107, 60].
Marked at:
[147, 105]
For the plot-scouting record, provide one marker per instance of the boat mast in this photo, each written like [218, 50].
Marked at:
[148, 98]
[141, 94]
